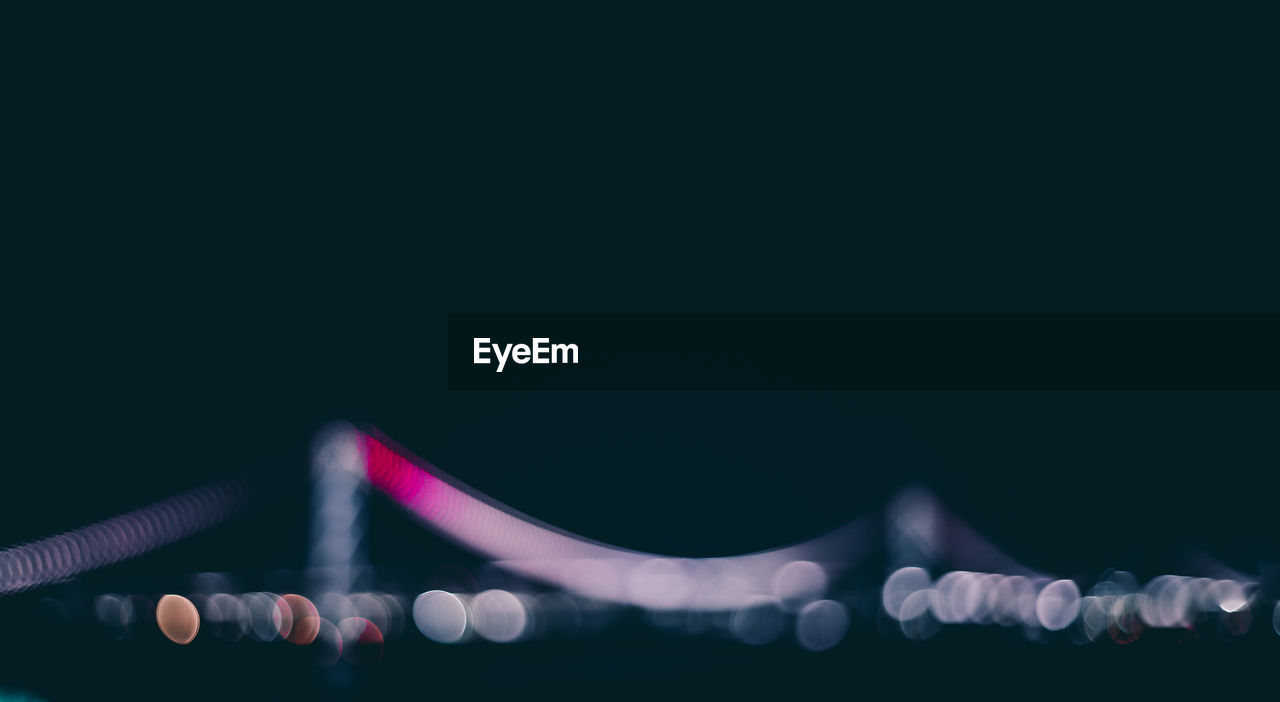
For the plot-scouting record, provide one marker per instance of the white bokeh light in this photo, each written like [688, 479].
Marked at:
[902, 584]
[1058, 604]
[499, 616]
[821, 625]
[798, 583]
[441, 616]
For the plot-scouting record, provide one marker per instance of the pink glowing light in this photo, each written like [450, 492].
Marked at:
[532, 548]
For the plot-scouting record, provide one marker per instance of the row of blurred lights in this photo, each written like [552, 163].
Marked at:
[1114, 607]
[354, 627]
[503, 617]
[351, 626]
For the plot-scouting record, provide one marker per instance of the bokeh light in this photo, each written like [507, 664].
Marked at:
[228, 616]
[327, 647]
[264, 615]
[821, 625]
[499, 616]
[1058, 604]
[441, 616]
[798, 583]
[178, 619]
[902, 584]
[115, 614]
[362, 642]
[300, 621]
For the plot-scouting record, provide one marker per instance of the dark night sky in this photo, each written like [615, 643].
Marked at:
[205, 279]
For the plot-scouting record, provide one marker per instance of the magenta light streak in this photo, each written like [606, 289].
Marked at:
[425, 493]
[131, 534]
[524, 545]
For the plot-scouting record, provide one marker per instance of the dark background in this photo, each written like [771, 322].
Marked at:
[201, 276]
